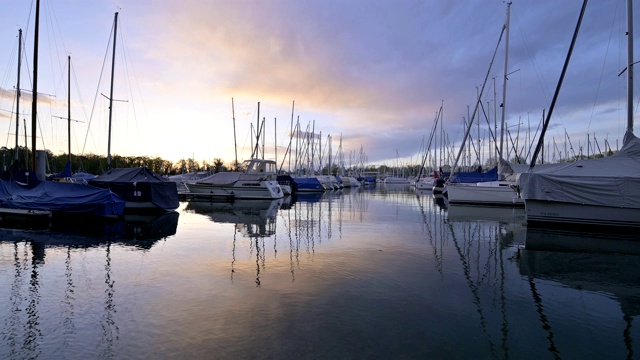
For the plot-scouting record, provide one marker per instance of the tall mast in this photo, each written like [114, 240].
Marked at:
[558, 86]
[504, 88]
[235, 144]
[475, 110]
[293, 105]
[34, 102]
[18, 92]
[629, 66]
[69, 107]
[113, 66]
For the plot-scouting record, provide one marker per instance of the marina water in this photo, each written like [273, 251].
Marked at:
[371, 273]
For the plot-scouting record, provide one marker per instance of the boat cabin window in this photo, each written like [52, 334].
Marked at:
[269, 167]
[261, 167]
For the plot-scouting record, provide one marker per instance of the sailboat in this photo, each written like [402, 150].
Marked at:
[489, 188]
[26, 193]
[396, 179]
[141, 188]
[586, 193]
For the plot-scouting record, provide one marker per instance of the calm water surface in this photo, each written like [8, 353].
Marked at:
[359, 274]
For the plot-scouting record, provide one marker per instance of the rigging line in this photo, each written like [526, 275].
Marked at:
[493, 136]
[50, 33]
[129, 66]
[431, 136]
[6, 81]
[81, 102]
[95, 98]
[555, 95]
[534, 136]
[546, 92]
[513, 147]
[606, 55]
[479, 99]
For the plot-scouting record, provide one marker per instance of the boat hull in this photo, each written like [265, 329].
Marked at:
[397, 181]
[544, 212]
[239, 190]
[496, 194]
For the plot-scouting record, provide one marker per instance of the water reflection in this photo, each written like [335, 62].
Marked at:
[24, 332]
[384, 273]
[307, 197]
[590, 264]
[313, 219]
[505, 215]
[484, 244]
[572, 241]
[138, 231]
[485, 241]
[253, 218]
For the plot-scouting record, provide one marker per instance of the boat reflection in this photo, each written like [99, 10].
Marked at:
[254, 218]
[141, 231]
[505, 215]
[441, 201]
[604, 265]
[574, 241]
[307, 197]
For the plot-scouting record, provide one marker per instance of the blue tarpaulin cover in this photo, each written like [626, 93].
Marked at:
[475, 177]
[60, 196]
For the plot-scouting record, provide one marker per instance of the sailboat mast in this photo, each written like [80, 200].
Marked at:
[235, 143]
[113, 65]
[558, 86]
[69, 107]
[26, 144]
[18, 92]
[629, 66]
[504, 88]
[466, 134]
[293, 105]
[34, 102]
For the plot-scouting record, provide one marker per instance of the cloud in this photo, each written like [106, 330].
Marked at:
[377, 72]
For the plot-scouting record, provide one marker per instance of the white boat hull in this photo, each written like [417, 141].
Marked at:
[239, 190]
[494, 193]
[553, 212]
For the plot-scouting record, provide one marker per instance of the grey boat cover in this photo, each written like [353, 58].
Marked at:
[139, 185]
[609, 181]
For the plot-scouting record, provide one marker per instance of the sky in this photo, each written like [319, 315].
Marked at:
[373, 73]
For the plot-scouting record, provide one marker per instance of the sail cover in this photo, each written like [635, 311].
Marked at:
[60, 196]
[139, 185]
[475, 177]
[609, 181]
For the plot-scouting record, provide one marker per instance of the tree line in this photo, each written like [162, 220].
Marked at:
[97, 164]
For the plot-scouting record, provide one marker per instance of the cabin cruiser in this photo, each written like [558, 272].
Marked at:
[257, 181]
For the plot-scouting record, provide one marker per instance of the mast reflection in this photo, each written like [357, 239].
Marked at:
[483, 240]
[306, 221]
[253, 219]
[23, 330]
[585, 262]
